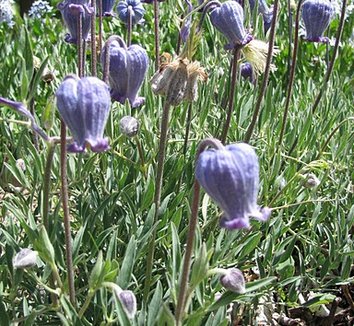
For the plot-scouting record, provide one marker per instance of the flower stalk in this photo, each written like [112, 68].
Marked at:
[65, 205]
[209, 142]
[93, 40]
[292, 75]
[250, 129]
[157, 36]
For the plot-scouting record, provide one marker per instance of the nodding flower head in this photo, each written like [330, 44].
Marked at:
[317, 15]
[84, 106]
[130, 7]
[72, 11]
[230, 176]
[107, 7]
[228, 19]
[127, 69]
[265, 11]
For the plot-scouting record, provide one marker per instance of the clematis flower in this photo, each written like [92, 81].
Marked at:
[317, 15]
[127, 70]
[107, 6]
[71, 11]
[230, 176]
[134, 6]
[265, 11]
[186, 28]
[228, 19]
[84, 106]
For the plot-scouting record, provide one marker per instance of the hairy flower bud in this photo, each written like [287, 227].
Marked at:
[230, 176]
[247, 72]
[233, 280]
[177, 80]
[84, 106]
[317, 15]
[128, 301]
[129, 126]
[72, 11]
[228, 19]
[310, 181]
[133, 7]
[25, 258]
[127, 70]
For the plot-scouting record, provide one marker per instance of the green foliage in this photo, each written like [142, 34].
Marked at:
[302, 248]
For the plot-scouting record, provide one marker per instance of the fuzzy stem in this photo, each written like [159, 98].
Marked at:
[191, 234]
[100, 27]
[266, 74]
[157, 38]
[157, 196]
[129, 25]
[290, 32]
[292, 75]
[331, 63]
[79, 46]
[65, 204]
[93, 40]
[232, 94]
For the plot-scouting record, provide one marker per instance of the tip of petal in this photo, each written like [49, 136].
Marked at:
[100, 145]
[75, 148]
[235, 223]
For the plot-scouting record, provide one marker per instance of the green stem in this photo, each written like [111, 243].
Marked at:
[141, 154]
[65, 204]
[46, 185]
[157, 196]
[87, 302]
[266, 75]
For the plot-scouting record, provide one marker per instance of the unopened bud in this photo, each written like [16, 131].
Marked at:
[129, 126]
[128, 301]
[25, 258]
[310, 181]
[233, 280]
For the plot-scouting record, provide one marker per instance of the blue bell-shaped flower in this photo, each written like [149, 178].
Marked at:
[247, 72]
[127, 70]
[107, 7]
[230, 176]
[71, 11]
[317, 15]
[84, 106]
[228, 19]
[136, 8]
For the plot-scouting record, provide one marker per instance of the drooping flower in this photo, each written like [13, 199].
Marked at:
[230, 176]
[127, 70]
[39, 9]
[84, 106]
[107, 7]
[228, 19]
[178, 80]
[7, 12]
[71, 11]
[317, 15]
[133, 7]
[25, 258]
[233, 280]
[129, 126]
[265, 11]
